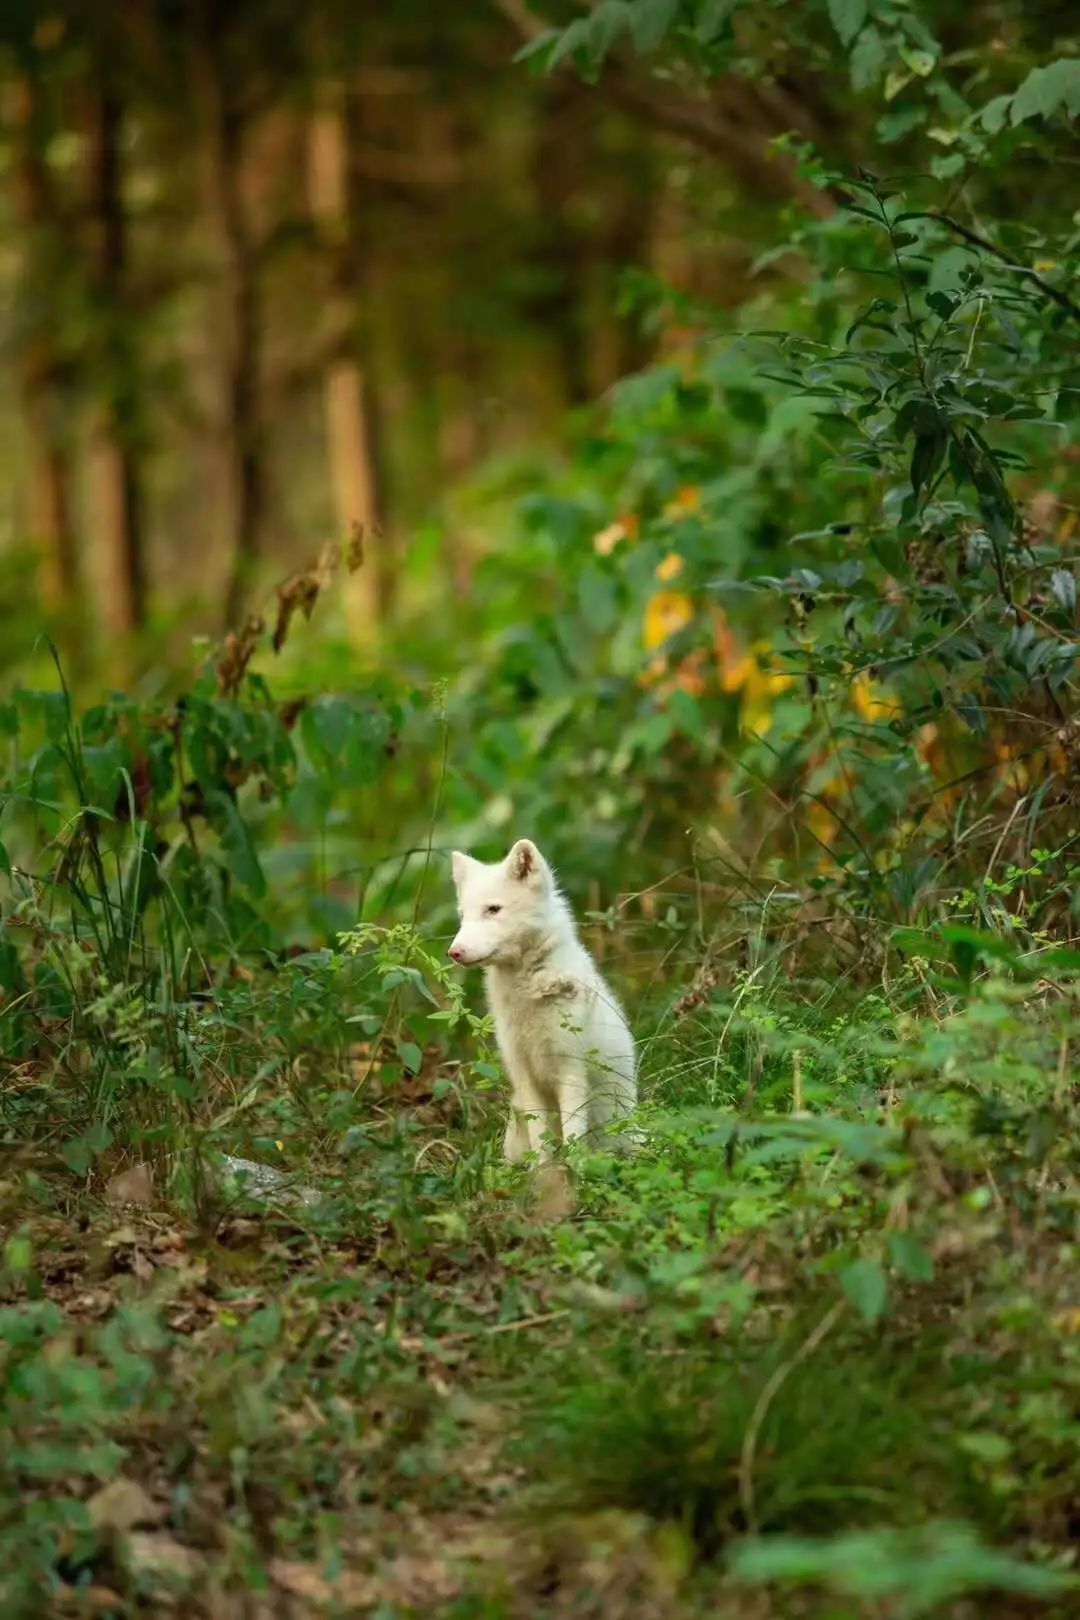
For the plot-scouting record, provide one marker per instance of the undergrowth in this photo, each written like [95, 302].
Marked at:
[812, 1349]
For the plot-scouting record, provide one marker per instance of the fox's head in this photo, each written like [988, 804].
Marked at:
[505, 906]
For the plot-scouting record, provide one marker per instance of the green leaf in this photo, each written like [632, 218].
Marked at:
[867, 59]
[610, 19]
[18, 1253]
[535, 47]
[598, 598]
[411, 1056]
[1048, 90]
[867, 1288]
[987, 1446]
[5, 860]
[910, 1258]
[570, 40]
[650, 734]
[712, 18]
[927, 457]
[848, 17]
[993, 115]
[925, 1566]
[80, 1152]
[1062, 583]
[328, 722]
[650, 21]
[893, 126]
[921, 63]
[237, 842]
[944, 167]
[942, 303]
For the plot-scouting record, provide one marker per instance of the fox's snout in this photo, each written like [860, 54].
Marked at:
[456, 953]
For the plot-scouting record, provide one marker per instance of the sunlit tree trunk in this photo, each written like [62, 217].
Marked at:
[461, 445]
[50, 515]
[116, 486]
[351, 422]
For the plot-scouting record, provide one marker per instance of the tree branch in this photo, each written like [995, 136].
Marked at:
[968, 235]
[738, 139]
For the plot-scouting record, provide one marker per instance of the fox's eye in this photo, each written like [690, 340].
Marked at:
[492, 911]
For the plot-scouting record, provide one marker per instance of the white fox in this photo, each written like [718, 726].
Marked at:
[568, 1052]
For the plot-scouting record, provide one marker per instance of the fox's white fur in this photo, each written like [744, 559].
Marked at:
[564, 1039]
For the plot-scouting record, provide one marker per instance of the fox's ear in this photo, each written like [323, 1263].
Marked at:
[459, 865]
[524, 861]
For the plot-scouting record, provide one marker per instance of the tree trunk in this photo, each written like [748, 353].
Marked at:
[561, 304]
[626, 241]
[244, 428]
[51, 520]
[351, 420]
[118, 503]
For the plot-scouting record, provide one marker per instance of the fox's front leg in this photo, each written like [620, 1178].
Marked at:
[530, 1122]
[572, 1089]
[516, 1141]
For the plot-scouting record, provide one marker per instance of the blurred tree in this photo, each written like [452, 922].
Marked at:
[285, 271]
[351, 419]
[224, 73]
[44, 372]
[118, 434]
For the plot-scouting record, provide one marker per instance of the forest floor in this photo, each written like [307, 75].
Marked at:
[817, 1360]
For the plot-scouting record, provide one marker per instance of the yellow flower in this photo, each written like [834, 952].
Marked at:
[869, 702]
[605, 540]
[623, 528]
[685, 501]
[760, 689]
[821, 824]
[670, 568]
[737, 674]
[666, 614]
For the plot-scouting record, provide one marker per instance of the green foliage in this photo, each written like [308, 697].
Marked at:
[922, 1569]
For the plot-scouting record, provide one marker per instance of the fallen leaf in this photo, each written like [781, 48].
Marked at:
[154, 1553]
[121, 1505]
[305, 1581]
[134, 1186]
[90, 1599]
[141, 1266]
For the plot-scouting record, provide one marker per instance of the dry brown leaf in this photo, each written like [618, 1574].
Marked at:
[236, 654]
[121, 1505]
[306, 1581]
[155, 1553]
[141, 1266]
[90, 1599]
[325, 567]
[354, 551]
[134, 1186]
